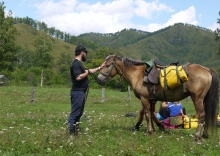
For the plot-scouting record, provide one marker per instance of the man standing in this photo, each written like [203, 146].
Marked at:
[80, 84]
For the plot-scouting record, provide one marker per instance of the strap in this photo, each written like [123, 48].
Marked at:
[177, 74]
[165, 84]
[165, 81]
[189, 122]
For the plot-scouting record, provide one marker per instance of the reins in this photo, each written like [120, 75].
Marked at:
[96, 79]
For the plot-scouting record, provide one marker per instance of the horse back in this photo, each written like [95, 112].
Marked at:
[200, 79]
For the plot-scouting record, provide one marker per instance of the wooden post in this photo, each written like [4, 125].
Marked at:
[33, 95]
[103, 95]
[129, 93]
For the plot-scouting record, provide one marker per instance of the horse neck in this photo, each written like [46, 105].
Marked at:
[134, 74]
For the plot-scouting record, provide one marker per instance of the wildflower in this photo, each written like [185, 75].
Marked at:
[26, 127]
[48, 149]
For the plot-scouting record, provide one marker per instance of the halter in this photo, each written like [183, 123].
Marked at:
[113, 65]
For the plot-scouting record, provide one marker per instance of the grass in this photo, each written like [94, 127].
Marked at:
[40, 129]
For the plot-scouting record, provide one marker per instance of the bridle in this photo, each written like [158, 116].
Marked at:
[113, 65]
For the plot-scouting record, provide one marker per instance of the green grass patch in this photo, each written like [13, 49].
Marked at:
[40, 129]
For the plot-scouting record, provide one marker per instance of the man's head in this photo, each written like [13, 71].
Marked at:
[81, 50]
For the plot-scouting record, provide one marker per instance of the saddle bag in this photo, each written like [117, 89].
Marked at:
[190, 122]
[172, 77]
[218, 120]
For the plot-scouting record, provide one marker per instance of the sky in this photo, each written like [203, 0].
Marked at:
[109, 16]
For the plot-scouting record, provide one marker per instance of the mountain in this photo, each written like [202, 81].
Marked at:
[182, 42]
[27, 35]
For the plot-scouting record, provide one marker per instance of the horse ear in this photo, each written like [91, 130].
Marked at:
[118, 55]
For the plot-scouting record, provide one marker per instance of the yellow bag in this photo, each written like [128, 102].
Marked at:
[218, 120]
[190, 122]
[172, 77]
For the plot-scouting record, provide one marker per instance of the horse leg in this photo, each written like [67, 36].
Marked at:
[148, 115]
[139, 123]
[154, 118]
[201, 117]
[152, 111]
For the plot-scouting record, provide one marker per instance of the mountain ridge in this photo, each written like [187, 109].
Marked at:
[183, 42]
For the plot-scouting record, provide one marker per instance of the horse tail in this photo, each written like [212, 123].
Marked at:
[211, 103]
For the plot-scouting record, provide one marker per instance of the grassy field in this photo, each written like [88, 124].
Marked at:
[40, 129]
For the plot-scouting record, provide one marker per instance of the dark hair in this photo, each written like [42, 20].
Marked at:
[80, 48]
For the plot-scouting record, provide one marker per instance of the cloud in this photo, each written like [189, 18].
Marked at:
[75, 17]
[49, 8]
[185, 16]
[146, 10]
[214, 26]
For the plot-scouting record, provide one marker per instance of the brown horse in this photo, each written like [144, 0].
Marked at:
[202, 87]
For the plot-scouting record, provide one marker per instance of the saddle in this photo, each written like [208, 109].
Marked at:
[152, 72]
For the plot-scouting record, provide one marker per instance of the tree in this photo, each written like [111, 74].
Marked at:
[7, 40]
[43, 45]
[217, 34]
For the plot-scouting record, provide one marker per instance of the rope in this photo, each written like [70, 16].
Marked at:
[95, 78]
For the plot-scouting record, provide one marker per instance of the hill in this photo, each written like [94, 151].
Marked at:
[27, 35]
[183, 42]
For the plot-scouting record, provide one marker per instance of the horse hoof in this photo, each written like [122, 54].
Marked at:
[134, 129]
[197, 138]
[150, 132]
[205, 136]
[137, 127]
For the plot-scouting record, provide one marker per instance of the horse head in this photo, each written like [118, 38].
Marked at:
[113, 66]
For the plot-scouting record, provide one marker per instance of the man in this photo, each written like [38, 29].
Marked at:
[175, 109]
[80, 84]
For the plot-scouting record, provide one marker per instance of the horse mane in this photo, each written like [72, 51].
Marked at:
[129, 61]
[108, 57]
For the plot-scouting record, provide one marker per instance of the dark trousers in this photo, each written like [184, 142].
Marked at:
[77, 107]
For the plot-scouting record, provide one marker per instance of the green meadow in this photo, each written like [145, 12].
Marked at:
[40, 128]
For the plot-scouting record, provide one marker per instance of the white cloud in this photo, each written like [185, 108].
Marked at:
[75, 17]
[214, 26]
[49, 8]
[146, 10]
[185, 16]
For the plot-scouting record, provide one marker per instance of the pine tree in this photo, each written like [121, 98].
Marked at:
[217, 34]
[8, 49]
